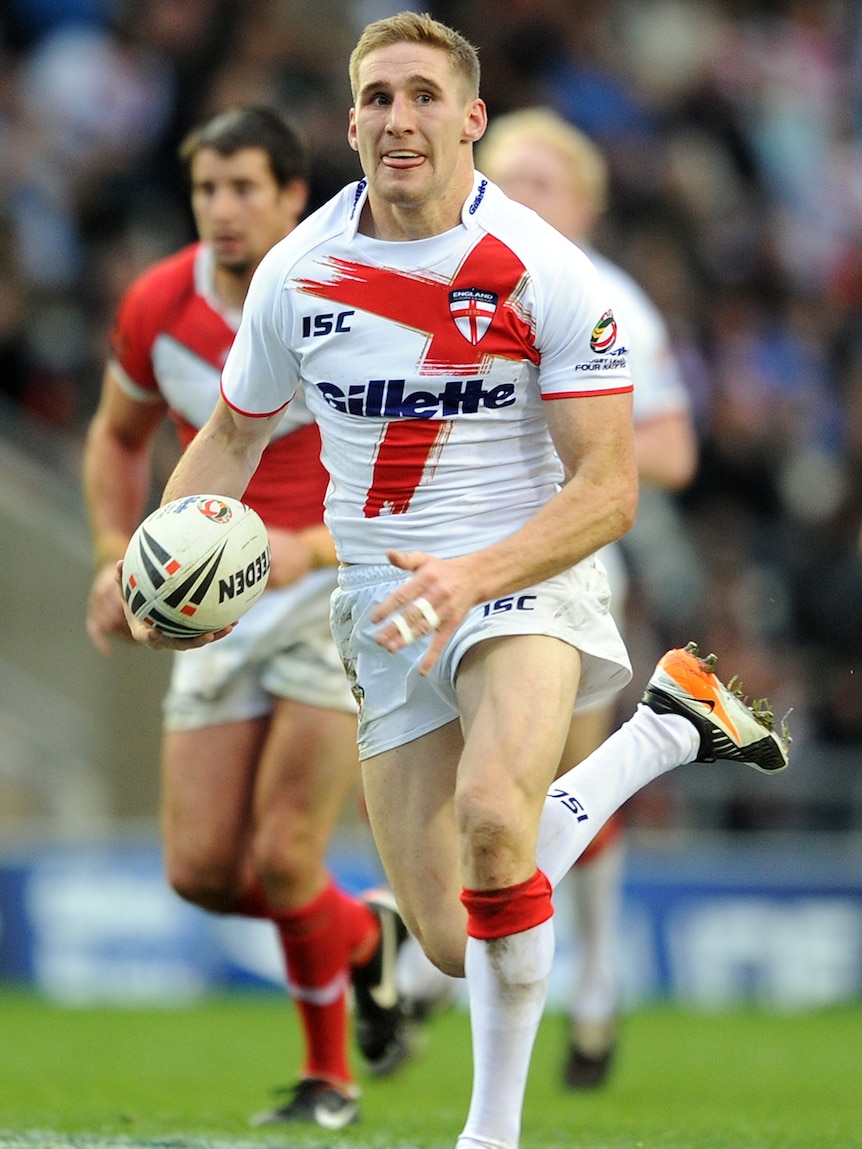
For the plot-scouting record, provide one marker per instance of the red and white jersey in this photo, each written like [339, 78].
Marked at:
[170, 342]
[426, 365]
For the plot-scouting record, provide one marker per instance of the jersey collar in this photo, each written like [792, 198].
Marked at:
[358, 194]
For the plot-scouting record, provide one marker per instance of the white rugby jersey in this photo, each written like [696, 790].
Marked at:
[426, 364]
[659, 387]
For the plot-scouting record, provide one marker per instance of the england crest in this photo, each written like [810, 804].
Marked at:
[472, 311]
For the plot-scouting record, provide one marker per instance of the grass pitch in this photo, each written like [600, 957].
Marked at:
[187, 1078]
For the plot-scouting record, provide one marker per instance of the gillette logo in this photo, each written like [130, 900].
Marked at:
[386, 399]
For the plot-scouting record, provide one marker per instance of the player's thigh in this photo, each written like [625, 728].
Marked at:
[516, 695]
[308, 769]
[409, 792]
[588, 730]
[207, 787]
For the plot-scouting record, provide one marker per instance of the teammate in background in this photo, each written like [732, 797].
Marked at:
[542, 161]
[259, 748]
[458, 354]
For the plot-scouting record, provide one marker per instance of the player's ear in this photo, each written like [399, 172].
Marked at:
[351, 130]
[296, 195]
[476, 121]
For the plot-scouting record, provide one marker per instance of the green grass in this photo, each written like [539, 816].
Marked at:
[190, 1076]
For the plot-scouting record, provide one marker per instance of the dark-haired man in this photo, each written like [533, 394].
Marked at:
[259, 732]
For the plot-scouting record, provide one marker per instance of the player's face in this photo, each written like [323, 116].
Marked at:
[536, 174]
[413, 126]
[239, 208]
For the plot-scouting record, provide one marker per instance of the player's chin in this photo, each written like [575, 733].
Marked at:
[235, 263]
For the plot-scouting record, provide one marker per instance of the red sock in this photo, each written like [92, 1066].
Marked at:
[512, 910]
[319, 940]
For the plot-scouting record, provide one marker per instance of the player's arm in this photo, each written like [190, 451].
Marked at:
[117, 472]
[595, 440]
[666, 449]
[223, 456]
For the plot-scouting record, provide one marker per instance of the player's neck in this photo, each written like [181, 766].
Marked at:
[231, 287]
[398, 223]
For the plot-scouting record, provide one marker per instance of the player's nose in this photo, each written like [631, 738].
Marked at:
[401, 116]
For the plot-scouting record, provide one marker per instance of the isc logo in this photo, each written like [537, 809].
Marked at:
[570, 802]
[325, 324]
[510, 602]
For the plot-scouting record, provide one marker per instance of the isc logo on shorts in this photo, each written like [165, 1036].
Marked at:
[510, 602]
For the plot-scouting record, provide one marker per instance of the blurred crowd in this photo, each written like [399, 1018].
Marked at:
[733, 129]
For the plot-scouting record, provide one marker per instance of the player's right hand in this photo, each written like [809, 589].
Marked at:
[153, 639]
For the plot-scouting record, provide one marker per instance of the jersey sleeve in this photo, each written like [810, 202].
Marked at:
[132, 337]
[659, 386]
[261, 373]
[582, 342]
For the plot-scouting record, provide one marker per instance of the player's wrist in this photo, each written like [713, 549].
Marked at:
[318, 543]
[108, 551]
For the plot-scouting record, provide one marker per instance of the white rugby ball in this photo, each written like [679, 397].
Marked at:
[196, 565]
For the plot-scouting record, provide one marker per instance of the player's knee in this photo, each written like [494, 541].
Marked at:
[488, 835]
[287, 861]
[213, 885]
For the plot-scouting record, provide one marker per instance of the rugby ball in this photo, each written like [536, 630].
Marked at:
[196, 565]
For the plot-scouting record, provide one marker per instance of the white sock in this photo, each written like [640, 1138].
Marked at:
[508, 983]
[581, 801]
[596, 887]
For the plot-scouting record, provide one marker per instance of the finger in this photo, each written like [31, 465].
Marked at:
[399, 600]
[425, 608]
[436, 648]
[404, 629]
[416, 620]
[404, 560]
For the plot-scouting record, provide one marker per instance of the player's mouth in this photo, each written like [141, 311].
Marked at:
[226, 241]
[403, 159]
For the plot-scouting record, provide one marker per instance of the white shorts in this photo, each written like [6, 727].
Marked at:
[397, 704]
[282, 648]
[613, 560]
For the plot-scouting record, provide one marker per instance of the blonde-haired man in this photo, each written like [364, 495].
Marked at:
[458, 356]
[541, 160]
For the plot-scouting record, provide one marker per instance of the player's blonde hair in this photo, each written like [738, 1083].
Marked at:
[417, 28]
[589, 172]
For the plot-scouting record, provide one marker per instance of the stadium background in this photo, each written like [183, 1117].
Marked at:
[734, 133]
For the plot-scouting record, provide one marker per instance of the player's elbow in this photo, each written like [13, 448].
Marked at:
[626, 509]
[677, 469]
[620, 509]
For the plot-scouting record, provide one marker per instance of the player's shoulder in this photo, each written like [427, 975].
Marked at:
[322, 226]
[523, 230]
[167, 280]
[637, 308]
[623, 282]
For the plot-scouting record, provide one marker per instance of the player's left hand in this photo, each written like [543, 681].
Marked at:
[436, 598]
